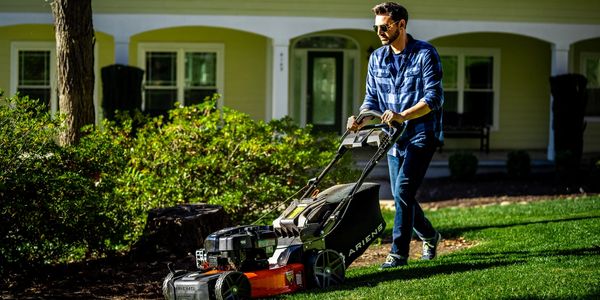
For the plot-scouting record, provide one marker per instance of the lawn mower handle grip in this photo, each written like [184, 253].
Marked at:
[367, 113]
[380, 125]
[373, 113]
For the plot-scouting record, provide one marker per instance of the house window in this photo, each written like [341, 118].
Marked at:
[186, 74]
[34, 66]
[471, 85]
[590, 67]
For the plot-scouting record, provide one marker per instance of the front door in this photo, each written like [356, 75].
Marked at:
[324, 90]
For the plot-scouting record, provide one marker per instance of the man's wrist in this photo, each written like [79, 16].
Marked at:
[402, 116]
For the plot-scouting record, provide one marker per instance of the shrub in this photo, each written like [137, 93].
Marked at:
[91, 199]
[222, 157]
[463, 165]
[518, 164]
[53, 205]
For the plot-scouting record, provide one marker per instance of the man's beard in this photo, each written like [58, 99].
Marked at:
[391, 38]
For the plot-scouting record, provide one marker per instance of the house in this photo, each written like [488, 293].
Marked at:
[307, 59]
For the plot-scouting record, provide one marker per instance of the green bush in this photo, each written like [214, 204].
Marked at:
[518, 164]
[91, 199]
[463, 165]
[53, 205]
[222, 157]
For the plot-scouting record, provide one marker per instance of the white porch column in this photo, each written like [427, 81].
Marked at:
[122, 50]
[559, 66]
[279, 80]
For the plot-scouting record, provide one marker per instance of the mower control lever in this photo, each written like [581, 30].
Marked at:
[373, 113]
[367, 113]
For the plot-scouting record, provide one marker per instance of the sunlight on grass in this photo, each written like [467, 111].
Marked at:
[548, 249]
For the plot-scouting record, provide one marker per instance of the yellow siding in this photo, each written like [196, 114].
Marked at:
[524, 89]
[553, 11]
[245, 62]
[106, 56]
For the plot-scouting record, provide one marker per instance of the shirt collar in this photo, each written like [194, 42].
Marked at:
[409, 45]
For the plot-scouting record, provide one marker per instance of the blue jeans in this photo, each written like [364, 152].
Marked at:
[406, 175]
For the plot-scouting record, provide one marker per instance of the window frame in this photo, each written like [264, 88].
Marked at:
[461, 53]
[16, 47]
[181, 49]
[582, 67]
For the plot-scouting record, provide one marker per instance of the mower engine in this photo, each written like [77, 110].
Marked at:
[242, 248]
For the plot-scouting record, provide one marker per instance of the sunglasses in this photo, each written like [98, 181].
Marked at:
[383, 28]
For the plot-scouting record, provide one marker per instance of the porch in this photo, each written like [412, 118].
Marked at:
[489, 163]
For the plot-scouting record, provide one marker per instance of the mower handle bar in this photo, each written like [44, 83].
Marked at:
[367, 113]
[373, 113]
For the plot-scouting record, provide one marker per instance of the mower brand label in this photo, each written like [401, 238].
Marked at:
[185, 288]
[366, 240]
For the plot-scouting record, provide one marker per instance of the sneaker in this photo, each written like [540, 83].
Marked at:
[393, 261]
[430, 247]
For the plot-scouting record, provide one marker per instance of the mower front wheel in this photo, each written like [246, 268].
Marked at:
[232, 285]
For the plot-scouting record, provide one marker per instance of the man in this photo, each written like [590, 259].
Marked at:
[404, 82]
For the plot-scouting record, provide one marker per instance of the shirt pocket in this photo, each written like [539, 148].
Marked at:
[383, 73]
[411, 80]
[383, 77]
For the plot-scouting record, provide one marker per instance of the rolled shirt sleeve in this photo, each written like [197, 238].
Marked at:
[432, 80]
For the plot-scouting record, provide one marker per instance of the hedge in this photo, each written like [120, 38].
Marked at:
[91, 199]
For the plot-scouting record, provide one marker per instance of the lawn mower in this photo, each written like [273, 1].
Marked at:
[310, 244]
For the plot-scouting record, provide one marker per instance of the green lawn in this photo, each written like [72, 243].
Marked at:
[538, 250]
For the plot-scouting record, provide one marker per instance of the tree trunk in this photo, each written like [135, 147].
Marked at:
[75, 65]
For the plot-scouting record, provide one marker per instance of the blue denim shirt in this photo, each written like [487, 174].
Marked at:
[419, 78]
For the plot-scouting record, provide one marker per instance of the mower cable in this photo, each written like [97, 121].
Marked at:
[279, 205]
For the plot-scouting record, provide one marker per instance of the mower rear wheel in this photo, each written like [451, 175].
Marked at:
[232, 285]
[328, 268]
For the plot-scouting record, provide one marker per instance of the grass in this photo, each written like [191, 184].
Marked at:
[538, 250]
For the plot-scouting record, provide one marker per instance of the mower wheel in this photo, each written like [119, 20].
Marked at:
[328, 268]
[232, 285]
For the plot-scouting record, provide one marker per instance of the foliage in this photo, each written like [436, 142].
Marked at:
[222, 157]
[53, 205]
[518, 164]
[64, 203]
[463, 165]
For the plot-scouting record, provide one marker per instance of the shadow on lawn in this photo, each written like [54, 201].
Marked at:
[409, 273]
[593, 250]
[472, 262]
[458, 232]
